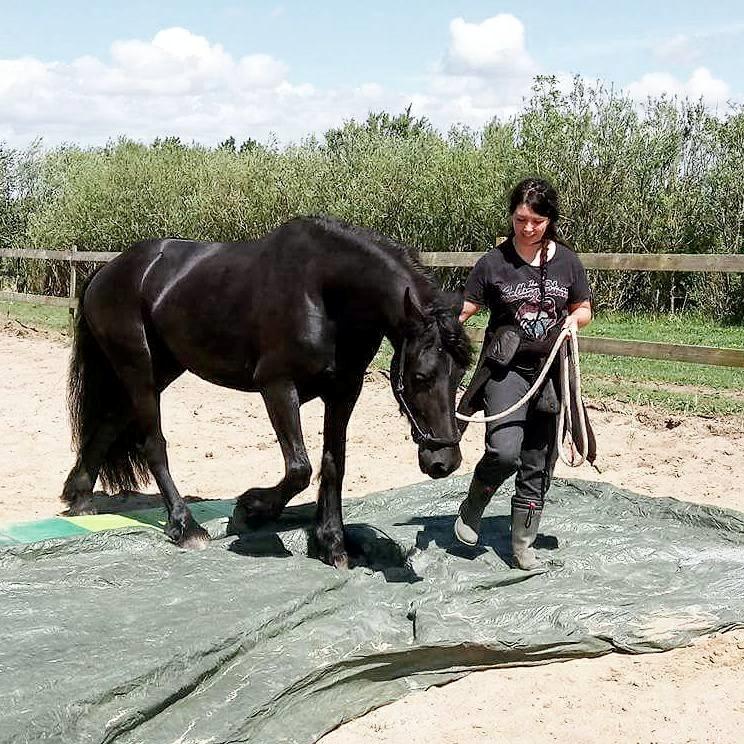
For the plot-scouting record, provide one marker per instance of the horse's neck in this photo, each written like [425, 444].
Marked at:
[400, 325]
[379, 285]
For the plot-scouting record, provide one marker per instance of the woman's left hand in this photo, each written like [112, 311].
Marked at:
[579, 315]
[572, 324]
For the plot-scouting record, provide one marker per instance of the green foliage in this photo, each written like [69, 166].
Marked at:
[19, 178]
[664, 179]
[696, 388]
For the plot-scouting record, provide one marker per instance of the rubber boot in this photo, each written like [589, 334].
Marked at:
[467, 524]
[524, 526]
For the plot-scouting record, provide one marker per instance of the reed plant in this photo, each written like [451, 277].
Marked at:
[665, 177]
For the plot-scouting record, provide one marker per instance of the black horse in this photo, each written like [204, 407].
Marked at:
[296, 315]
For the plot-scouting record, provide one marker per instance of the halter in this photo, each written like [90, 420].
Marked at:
[420, 437]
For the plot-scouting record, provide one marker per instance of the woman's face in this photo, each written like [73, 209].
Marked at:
[529, 226]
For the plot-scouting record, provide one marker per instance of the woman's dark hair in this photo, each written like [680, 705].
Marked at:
[540, 196]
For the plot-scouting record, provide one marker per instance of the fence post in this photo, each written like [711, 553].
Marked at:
[73, 291]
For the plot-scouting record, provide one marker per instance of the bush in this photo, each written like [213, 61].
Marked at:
[662, 179]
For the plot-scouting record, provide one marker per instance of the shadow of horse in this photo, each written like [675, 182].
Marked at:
[129, 501]
[368, 546]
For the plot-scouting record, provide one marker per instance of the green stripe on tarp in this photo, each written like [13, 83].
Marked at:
[55, 528]
[43, 529]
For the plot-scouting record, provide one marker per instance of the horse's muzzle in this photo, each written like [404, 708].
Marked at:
[439, 462]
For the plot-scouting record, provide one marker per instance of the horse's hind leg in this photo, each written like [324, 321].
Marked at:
[78, 489]
[260, 504]
[108, 431]
[137, 374]
[182, 528]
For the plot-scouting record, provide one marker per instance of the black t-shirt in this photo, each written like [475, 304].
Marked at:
[510, 288]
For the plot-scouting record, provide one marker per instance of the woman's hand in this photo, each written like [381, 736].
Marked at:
[468, 309]
[579, 315]
[571, 324]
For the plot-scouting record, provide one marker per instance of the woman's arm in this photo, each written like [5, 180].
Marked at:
[468, 309]
[579, 315]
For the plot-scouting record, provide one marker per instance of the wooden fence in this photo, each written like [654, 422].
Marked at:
[724, 263]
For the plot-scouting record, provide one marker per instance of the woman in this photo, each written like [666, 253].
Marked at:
[532, 282]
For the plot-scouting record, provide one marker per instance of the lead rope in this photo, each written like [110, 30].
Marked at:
[569, 387]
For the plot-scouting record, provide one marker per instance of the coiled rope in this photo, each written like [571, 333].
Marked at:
[570, 386]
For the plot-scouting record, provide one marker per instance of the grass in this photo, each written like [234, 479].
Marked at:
[701, 402]
[37, 316]
[676, 386]
[672, 386]
[679, 329]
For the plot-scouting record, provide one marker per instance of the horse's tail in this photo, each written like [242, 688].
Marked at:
[95, 394]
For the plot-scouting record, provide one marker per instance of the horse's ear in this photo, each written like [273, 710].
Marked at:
[411, 308]
[453, 301]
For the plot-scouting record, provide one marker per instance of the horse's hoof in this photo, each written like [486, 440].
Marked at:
[336, 557]
[249, 514]
[82, 508]
[341, 561]
[196, 539]
[238, 522]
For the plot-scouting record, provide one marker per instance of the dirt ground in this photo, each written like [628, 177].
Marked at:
[221, 442]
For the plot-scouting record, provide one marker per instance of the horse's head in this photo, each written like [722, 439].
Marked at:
[428, 365]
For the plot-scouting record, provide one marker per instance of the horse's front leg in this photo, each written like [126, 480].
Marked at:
[262, 504]
[329, 528]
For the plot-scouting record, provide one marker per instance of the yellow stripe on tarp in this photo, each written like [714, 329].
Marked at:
[101, 522]
[54, 528]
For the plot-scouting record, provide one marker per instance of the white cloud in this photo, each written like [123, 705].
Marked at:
[179, 83]
[261, 70]
[494, 47]
[372, 91]
[486, 72]
[700, 85]
[16, 75]
[679, 49]
[703, 85]
[654, 84]
[176, 83]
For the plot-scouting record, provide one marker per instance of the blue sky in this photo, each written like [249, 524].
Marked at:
[88, 72]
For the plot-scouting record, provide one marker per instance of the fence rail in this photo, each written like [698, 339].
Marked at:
[73, 256]
[712, 355]
[729, 263]
[732, 263]
[34, 299]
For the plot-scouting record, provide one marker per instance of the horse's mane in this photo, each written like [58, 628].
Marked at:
[438, 305]
[452, 332]
[406, 256]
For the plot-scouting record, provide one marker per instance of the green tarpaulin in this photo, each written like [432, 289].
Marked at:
[119, 636]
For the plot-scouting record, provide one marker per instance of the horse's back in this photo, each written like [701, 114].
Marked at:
[238, 313]
[303, 254]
